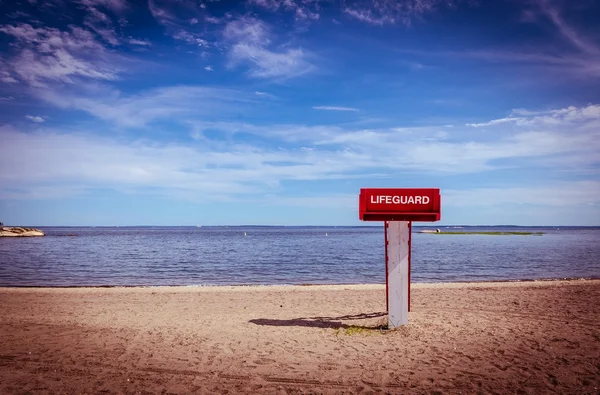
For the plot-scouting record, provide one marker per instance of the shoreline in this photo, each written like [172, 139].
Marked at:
[413, 284]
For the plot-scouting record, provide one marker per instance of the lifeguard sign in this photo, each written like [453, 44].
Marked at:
[398, 208]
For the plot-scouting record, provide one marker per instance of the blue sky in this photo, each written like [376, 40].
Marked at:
[276, 112]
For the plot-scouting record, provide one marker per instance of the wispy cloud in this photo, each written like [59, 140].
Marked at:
[173, 170]
[35, 118]
[181, 20]
[169, 103]
[6, 76]
[383, 12]
[558, 193]
[191, 38]
[587, 61]
[580, 60]
[302, 9]
[334, 108]
[551, 10]
[135, 41]
[334, 201]
[229, 169]
[49, 54]
[493, 122]
[251, 44]
[368, 17]
[167, 13]
[375, 12]
[570, 142]
[114, 5]
[548, 117]
[102, 25]
[288, 133]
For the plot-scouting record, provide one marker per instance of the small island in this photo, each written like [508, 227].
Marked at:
[439, 232]
[16, 231]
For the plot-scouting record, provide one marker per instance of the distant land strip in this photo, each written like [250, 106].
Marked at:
[484, 233]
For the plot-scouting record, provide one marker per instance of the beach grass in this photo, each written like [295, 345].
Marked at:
[360, 330]
[490, 233]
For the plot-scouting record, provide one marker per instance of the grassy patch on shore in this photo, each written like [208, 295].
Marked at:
[360, 330]
[489, 233]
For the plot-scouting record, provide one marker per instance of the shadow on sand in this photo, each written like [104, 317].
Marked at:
[323, 322]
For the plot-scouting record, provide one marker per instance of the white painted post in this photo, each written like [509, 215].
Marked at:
[398, 255]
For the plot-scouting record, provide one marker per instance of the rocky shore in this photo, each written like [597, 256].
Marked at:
[9, 231]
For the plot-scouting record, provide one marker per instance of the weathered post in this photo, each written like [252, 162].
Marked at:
[398, 273]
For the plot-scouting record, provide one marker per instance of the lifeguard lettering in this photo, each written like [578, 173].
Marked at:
[388, 199]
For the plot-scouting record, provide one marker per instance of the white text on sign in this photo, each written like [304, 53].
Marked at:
[387, 199]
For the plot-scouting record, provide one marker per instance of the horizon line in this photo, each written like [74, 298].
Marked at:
[379, 223]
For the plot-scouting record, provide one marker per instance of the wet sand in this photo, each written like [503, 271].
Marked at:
[527, 337]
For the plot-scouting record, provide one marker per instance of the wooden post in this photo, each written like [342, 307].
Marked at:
[397, 246]
[387, 272]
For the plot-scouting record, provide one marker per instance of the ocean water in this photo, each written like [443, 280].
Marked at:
[114, 256]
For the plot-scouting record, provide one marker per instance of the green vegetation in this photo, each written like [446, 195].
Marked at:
[490, 233]
[360, 330]
[353, 330]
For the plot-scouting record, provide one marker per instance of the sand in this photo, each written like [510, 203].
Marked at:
[528, 337]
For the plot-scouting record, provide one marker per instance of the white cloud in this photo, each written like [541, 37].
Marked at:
[6, 98]
[49, 54]
[6, 77]
[333, 201]
[250, 44]
[209, 68]
[561, 193]
[219, 166]
[102, 25]
[170, 103]
[284, 133]
[114, 5]
[191, 38]
[135, 41]
[265, 95]
[35, 118]
[212, 19]
[368, 17]
[572, 140]
[302, 9]
[382, 12]
[549, 117]
[376, 12]
[83, 161]
[165, 12]
[569, 143]
[494, 122]
[334, 108]
[181, 19]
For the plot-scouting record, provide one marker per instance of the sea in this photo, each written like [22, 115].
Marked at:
[257, 255]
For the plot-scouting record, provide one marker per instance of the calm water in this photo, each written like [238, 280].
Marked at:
[218, 255]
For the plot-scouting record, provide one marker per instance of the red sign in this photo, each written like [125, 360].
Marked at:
[400, 204]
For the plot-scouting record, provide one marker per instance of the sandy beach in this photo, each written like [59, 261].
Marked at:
[526, 337]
